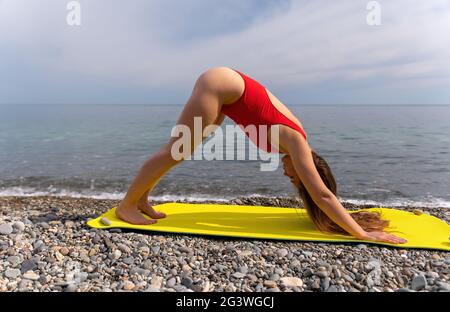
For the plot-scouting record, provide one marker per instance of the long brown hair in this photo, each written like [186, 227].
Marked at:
[369, 221]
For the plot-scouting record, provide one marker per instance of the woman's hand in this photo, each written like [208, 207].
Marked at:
[378, 236]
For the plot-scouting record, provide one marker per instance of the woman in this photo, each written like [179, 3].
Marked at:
[223, 91]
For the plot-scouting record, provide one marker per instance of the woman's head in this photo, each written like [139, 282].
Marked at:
[369, 221]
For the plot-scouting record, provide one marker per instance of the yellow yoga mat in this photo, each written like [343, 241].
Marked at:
[421, 231]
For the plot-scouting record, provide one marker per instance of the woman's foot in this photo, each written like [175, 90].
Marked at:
[146, 208]
[132, 214]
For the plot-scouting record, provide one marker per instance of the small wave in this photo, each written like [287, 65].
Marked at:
[431, 202]
[378, 190]
[29, 192]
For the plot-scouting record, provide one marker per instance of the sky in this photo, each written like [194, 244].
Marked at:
[152, 51]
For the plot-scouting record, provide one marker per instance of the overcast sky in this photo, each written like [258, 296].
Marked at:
[152, 51]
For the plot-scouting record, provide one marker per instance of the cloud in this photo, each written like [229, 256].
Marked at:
[286, 45]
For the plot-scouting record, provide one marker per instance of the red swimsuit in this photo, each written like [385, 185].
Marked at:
[255, 108]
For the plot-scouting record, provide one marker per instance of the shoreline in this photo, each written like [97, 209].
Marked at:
[50, 248]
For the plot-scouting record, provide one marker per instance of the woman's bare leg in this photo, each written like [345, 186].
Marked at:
[205, 102]
[145, 206]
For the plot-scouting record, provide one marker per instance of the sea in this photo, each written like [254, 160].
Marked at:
[388, 155]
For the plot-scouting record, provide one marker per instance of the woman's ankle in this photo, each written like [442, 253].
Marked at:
[143, 201]
[127, 203]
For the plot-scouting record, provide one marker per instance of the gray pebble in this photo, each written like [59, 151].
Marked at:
[282, 252]
[221, 267]
[105, 221]
[97, 239]
[373, 264]
[39, 246]
[14, 260]
[274, 277]
[155, 249]
[147, 264]
[437, 263]
[24, 284]
[337, 273]
[116, 254]
[81, 277]
[325, 283]
[43, 225]
[124, 248]
[19, 226]
[173, 271]
[12, 273]
[315, 285]
[322, 274]
[72, 287]
[359, 277]
[443, 286]
[230, 247]
[332, 288]
[164, 271]
[151, 289]
[295, 264]
[307, 273]
[197, 288]
[187, 281]
[94, 276]
[373, 278]
[347, 278]
[6, 229]
[432, 274]
[418, 283]
[28, 265]
[185, 249]
[322, 263]
[50, 217]
[238, 275]
[43, 279]
[171, 282]
[279, 271]
[307, 253]
[179, 288]
[140, 271]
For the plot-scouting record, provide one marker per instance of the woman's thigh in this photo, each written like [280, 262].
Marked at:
[203, 109]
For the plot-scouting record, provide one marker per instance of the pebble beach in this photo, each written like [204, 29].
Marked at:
[46, 246]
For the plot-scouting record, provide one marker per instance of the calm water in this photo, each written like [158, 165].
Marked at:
[394, 155]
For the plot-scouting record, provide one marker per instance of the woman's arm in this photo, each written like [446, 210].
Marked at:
[301, 157]
[300, 154]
